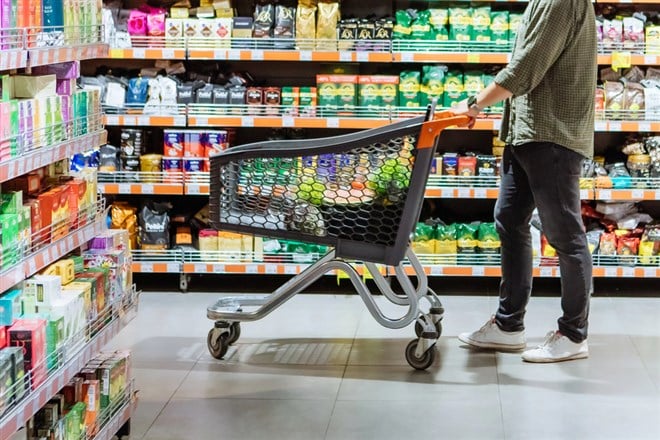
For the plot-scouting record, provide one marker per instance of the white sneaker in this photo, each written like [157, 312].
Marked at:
[490, 336]
[557, 348]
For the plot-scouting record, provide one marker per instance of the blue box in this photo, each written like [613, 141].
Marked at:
[10, 307]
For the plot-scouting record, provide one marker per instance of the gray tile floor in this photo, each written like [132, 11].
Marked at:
[321, 368]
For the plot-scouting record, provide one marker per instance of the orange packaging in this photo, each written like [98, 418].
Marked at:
[35, 217]
[193, 146]
[77, 191]
[47, 201]
[91, 393]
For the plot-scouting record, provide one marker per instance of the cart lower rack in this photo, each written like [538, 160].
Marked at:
[360, 193]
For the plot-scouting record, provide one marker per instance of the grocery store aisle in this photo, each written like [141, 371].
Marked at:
[321, 367]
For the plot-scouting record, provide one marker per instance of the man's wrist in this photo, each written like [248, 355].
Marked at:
[473, 105]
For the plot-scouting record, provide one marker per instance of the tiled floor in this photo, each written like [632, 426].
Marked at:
[321, 367]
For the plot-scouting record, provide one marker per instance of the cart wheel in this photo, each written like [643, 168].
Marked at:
[218, 348]
[234, 332]
[419, 329]
[419, 363]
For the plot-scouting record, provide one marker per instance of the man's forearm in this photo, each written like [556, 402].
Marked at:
[491, 95]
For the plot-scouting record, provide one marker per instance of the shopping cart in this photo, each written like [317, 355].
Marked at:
[360, 193]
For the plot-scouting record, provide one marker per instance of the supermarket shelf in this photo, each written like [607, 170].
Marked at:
[122, 413]
[38, 259]
[141, 183]
[40, 157]
[73, 360]
[539, 272]
[172, 116]
[629, 194]
[13, 59]
[12, 55]
[51, 55]
[168, 261]
[151, 48]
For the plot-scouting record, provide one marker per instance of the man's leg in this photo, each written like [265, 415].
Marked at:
[554, 173]
[513, 211]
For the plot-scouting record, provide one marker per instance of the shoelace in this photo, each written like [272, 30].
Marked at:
[487, 325]
[550, 338]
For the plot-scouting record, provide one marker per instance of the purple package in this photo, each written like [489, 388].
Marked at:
[65, 87]
[66, 115]
[68, 70]
[103, 243]
[214, 141]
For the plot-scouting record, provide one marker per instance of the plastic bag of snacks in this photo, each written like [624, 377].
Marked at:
[423, 239]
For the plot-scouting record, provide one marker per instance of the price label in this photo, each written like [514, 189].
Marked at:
[362, 57]
[21, 167]
[601, 126]
[657, 194]
[49, 156]
[436, 270]
[407, 57]
[497, 124]
[287, 121]
[271, 268]
[219, 268]
[257, 55]
[233, 54]
[610, 272]
[638, 194]
[147, 267]
[605, 194]
[168, 54]
[29, 163]
[584, 194]
[172, 267]
[147, 188]
[464, 193]
[123, 188]
[332, 122]
[247, 121]
[615, 126]
[130, 120]
[650, 272]
[447, 193]
[139, 53]
[644, 126]
[111, 120]
[192, 189]
[11, 171]
[69, 243]
[305, 55]
[251, 268]
[143, 121]
[621, 60]
[473, 58]
[478, 271]
[201, 122]
[32, 266]
[290, 269]
[628, 272]
[345, 56]
[480, 193]
[546, 272]
[201, 268]
[651, 59]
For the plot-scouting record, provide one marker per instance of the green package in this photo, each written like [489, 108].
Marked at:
[473, 82]
[421, 27]
[14, 127]
[433, 83]
[439, 17]
[54, 338]
[488, 242]
[499, 27]
[403, 26]
[409, 89]
[514, 24]
[445, 232]
[369, 94]
[424, 232]
[481, 24]
[466, 236]
[9, 228]
[460, 23]
[454, 92]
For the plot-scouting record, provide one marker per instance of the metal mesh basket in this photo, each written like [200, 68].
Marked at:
[361, 193]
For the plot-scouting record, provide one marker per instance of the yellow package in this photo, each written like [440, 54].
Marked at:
[247, 247]
[306, 24]
[448, 248]
[326, 27]
[230, 244]
[424, 247]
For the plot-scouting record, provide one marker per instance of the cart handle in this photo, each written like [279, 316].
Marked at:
[432, 129]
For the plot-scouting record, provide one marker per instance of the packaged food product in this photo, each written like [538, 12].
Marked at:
[446, 244]
[454, 91]
[499, 26]
[432, 86]
[481, 24]
[488, 242]
[306, 24]
[108, 159]
[423, 239]
[466, 238]
[450, 164]
[467, 166]
[421, 26]
[326, 26]
[264, 18]
[174, 141]
[124, 216]
[460, 23]
[608, 244]
[409, 89]
[154, 226]
[487, 166]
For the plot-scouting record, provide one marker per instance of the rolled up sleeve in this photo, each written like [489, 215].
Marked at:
[543, 39]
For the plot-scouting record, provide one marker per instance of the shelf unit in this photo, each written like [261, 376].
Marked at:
[73, 356]
[379, 52]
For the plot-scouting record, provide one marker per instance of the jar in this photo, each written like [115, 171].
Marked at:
[639, 166]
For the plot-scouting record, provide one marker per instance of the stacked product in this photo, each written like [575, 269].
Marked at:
[620, 28]
[53, 22]
[45, 108]
[477, 242]
[93, 395]
[635, 94]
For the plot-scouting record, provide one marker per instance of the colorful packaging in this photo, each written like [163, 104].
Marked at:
[454, 91]
[432, 87]
[410, 89]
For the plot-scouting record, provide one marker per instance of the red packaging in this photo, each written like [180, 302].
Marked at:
[35, 220]
[193, 145]
[77, 190]
[30, 335]
[62, 213]
[47, 201]
[467, 166]
[608, 244]
[3, 337]
[627, 245]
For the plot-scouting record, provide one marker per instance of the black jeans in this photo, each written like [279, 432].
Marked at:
[545, 175]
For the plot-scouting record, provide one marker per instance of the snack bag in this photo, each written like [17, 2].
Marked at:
[446, 244]
[403, 27]
[409, 89]
[488, 242]
[499, 27]
[421, 27]
[432, 84]
[460, 23]
[306, 24]
[481, 24]
[454, 92]
[423, 239]
[123, 216]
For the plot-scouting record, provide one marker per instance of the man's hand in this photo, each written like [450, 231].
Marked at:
[463, 109]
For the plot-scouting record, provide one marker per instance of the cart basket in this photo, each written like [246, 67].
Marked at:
[361, 193]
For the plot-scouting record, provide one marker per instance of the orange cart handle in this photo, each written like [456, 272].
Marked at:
[432, 129]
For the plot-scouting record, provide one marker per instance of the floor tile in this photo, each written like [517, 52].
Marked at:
[395, 420]
[244, 419]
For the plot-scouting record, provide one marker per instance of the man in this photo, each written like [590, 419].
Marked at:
[548, 125]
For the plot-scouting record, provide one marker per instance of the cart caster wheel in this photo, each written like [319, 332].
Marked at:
[234, 332]
[419, 363]
[419, 329]
[217, 345]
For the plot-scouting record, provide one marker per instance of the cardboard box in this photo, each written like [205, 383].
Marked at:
[10, 307]
[38, 86]
[337, 94]
[68, 70]
[44, 289]
[30, 335]
[83, 289]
